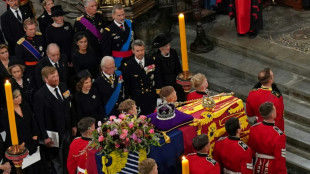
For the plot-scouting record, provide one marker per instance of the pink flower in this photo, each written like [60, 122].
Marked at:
[125, 150]
[127, 139]
[122, 136]
[98, 130]
[125, 131]
[151, 131]
[139, 140]
[112, 117]
[122, 116]
[101, 138]
[134, 137]
[117, 145]
[142, 117]
[130, 125]
[99, 123]
[113, 132]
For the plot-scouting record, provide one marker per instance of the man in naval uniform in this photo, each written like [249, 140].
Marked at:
[142, 78]
[93, 24]
[30, 48]
[118, 37]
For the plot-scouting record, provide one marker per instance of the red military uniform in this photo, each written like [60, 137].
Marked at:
[196, 95]
[261, 95]
[268, 142]
[233, 155]
[201, 163]
[77, 161]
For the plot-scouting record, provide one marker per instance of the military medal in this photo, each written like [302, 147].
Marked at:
[40, 48]
[93, 96]
[66, 27]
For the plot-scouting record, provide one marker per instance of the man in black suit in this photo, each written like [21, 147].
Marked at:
[142, 79]
[110, 86]
[12, 23]
[52, 111]
[118, 36]
[55, 59]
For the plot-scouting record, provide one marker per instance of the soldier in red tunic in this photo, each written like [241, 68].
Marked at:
[265, 91]
[268, 143]
[233, 155]
[200, 162]
[76, 162]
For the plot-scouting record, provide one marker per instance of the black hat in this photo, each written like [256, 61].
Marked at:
[57, 11]
[83, 73]
[162, 40]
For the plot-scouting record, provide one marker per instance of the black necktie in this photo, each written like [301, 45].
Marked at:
[122, 27]
[57, 94]
[18, 16]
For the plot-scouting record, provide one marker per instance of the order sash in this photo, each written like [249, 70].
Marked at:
[113, 99]
[126, 45]
[91, 28]
[31, 49]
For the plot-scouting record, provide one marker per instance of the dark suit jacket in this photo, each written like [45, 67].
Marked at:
[105, 91]
[2, 41]
[12, 28]
[63, 73]
[51, 113]
[142, 85]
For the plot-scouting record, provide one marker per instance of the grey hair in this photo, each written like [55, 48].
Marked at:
[104, 59]
[137, 42]
[86, 2]
[51, 45]
[118, 7]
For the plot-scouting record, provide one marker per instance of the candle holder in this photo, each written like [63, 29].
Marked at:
[201, 44]
[184, 79]
[17, 153]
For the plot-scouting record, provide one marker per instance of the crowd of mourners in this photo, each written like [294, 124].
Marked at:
[67, 78]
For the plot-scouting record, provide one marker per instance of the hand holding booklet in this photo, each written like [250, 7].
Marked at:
[54, 136]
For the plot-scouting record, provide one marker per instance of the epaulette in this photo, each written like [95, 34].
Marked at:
[108, 29]
[154, 57]
[79, 18]
[276, 93]
[222, 138]
[21, 40]
[258, 123]
[100, 12]
[278, 130]
[212, 161]
[191, 154]
[243, 145]
[38, 33]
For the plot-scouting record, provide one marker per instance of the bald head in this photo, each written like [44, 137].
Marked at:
[107, 65]
[53, 52]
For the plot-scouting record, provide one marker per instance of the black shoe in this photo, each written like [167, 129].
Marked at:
[240, 35]
[253, 34]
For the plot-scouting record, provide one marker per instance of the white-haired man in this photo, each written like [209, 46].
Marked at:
[110, 86]
[93, 23]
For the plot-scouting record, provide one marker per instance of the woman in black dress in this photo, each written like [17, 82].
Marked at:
[167, 60]
[4, 74]
[84, 57]
[23, 83]
[27, 128]
[45, 19]
[60, 32]
[86, 100]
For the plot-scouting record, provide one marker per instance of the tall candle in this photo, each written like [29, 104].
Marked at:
[11, 115]
[183, 42]
[185, 166]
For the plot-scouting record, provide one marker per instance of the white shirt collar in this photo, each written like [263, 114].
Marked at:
[106, 75]
[118, 24]
[52, 90]
[138, 61]
[53, 63]
[19, 12]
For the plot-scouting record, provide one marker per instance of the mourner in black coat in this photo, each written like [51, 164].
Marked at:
[11, 26]
[52, 59]
[142, 80]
